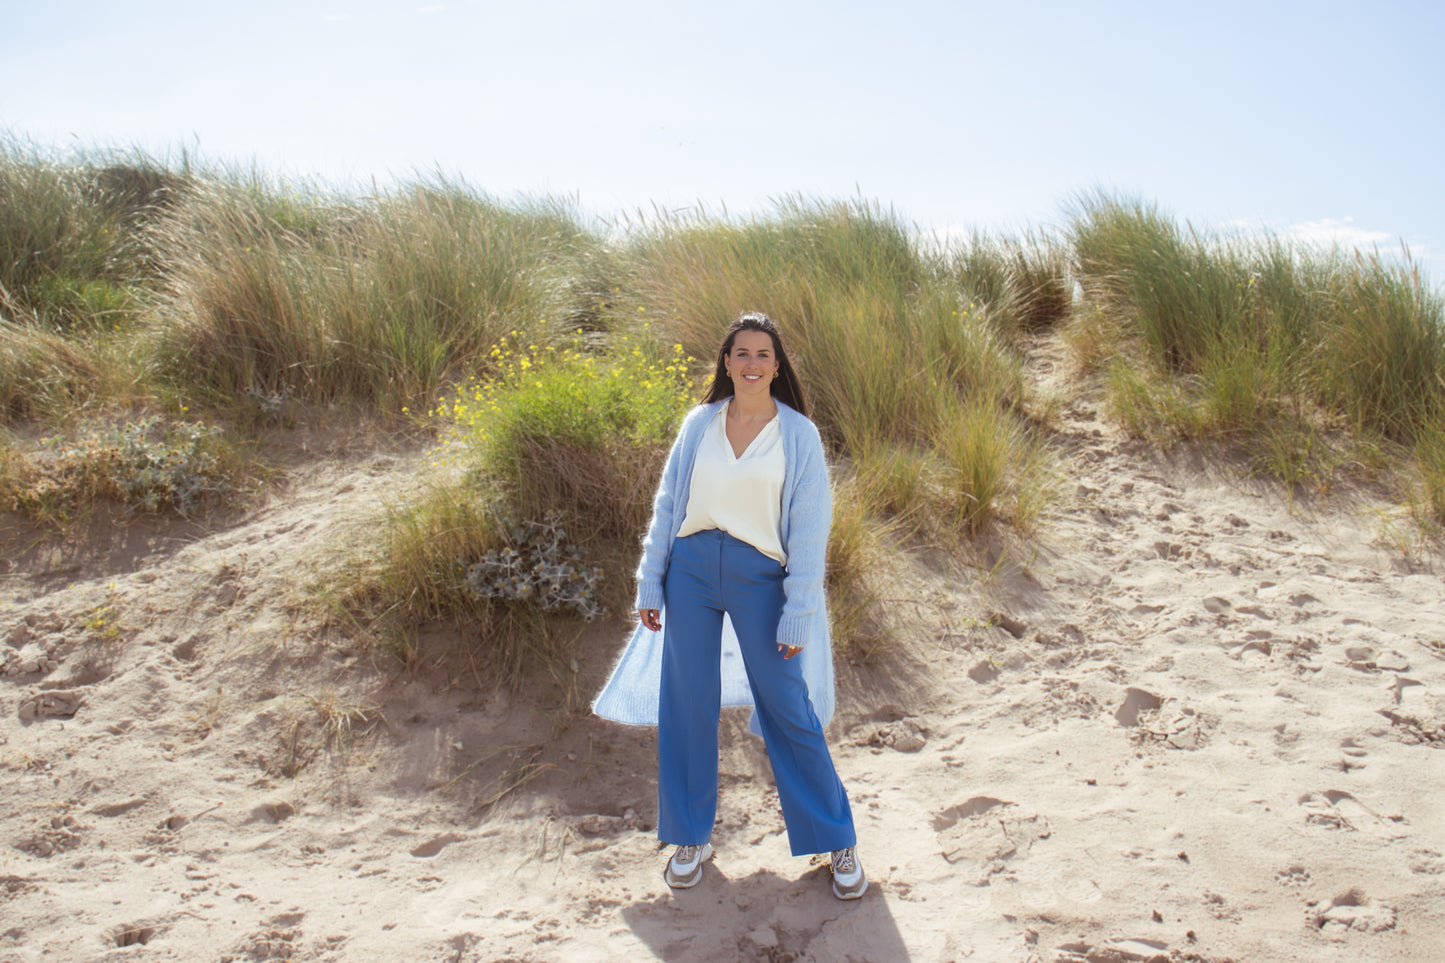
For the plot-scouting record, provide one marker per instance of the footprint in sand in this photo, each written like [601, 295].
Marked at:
[55, 835]
[603, 824]
[1218, 605]
[186, 651]
[984, 833]
[1353, 753]
[1427, 862]
[1014, 627]
[976, 806]
[984, 672]
[1114, 951]
[1169, 726]
[435, 845]
[1337, 809]
[1219, 908]
[1259, 646]
[1136, 701]
[1366, 658]
[1351, 911]
[118, 807]
[1171, 551]
[1292, 875]
[271, 944]
[55, 704]
[1412, 730]
[890, 728]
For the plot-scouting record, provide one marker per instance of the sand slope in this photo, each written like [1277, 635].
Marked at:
[1194, 725]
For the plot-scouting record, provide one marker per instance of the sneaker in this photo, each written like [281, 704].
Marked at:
[684, 869]
[848, 879]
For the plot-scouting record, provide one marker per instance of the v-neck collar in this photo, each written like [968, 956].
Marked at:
[727, 442]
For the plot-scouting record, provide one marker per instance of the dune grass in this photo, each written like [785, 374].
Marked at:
[1427, 500]
[382, 301]
[54, 229]
[554, 361]
[1023, 283]
[71, 251]
[891, 347]
[1292, 354]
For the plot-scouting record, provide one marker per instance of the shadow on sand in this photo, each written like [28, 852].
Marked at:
[764, 916]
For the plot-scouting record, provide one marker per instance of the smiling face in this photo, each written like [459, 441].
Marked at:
[752, 363]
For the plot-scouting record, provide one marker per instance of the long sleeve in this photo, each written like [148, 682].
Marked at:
[668, 508]
[809, 509]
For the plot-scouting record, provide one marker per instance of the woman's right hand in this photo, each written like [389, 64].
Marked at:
[651, 618]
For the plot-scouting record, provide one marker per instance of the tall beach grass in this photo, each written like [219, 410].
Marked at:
[379, 302]
[892, 348]
[554, 359]
[1294, 354]
[1259, 326]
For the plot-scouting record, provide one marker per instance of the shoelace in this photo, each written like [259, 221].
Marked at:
[843, 861]
[685, 855]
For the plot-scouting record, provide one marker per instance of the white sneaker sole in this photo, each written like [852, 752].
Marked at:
[688, 880]
[850, 894]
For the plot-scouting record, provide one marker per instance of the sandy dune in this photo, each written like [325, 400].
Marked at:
[1194, 725]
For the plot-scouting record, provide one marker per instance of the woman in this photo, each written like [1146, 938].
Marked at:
[738, 538]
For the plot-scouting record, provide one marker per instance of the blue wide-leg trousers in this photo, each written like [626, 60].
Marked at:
[711, 573]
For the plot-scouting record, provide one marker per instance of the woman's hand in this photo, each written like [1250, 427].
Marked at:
[651, 618]
[789, 650]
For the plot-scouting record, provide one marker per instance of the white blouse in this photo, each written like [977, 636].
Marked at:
[742, 496]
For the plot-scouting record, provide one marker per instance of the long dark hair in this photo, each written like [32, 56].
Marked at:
[785, 387]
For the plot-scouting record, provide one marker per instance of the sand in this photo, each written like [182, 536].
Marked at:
[1188, 721]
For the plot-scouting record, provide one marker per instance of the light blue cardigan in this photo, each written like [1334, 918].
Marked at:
[632, 691]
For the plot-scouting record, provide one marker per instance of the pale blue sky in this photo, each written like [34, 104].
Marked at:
[1319, 119]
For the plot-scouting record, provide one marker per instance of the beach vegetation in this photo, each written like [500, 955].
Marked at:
[147, 464]
[541, 486]
[155, 315]
[896, 341]
[1304, 360]
[381, 301]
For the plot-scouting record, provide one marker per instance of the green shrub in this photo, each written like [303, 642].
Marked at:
[59, 301]
[554, 441]
[575, 432]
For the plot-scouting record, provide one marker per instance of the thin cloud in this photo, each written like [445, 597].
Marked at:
[432, 8]
[1329, 232]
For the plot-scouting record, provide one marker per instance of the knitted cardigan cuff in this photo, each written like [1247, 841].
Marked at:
[649, 595]
[795, 630]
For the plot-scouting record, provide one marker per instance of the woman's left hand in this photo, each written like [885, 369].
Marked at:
[789, 650]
